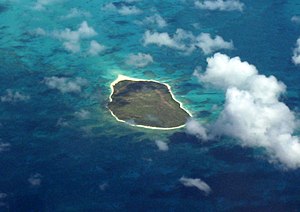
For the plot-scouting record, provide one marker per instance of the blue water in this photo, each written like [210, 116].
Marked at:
[98, 164]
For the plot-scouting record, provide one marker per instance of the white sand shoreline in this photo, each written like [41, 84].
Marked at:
[122, 78]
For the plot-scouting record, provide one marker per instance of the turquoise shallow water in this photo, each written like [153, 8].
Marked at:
[92, 162]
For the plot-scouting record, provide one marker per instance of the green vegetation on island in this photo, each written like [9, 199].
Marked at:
[146, 103]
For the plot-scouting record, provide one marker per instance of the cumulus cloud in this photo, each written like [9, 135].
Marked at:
[82, 114]
[41, 4]
[35, 180]
[103, 186]
[210, 45]
[253, 113]
[139, 60]
[66, 85]
[296, 53]
[3, 197]
[222, 5]
[296, 19]
[39, 31]
[76, 13]
[175, 42]
[62, 122]
[155, 20]
[195, 128]
[71, 38]
[198, 183]
[185, 41]
[4, 147]
[72, 46]
[162, 146]
[14, 96]
[132, 1]
[129, 10]
[224, 72]
[122, 9]
[95, 48]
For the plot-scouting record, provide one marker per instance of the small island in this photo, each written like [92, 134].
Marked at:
[146, 103]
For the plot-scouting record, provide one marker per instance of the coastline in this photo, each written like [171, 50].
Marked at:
[122, 78]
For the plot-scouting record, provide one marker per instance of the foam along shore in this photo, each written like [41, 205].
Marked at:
[122, 78]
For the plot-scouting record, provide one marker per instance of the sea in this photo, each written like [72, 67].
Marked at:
[61, 149]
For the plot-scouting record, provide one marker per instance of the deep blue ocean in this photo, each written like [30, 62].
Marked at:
[60, 148]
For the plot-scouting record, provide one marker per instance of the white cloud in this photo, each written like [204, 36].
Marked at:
[122, 10]
[198, 183]
[185, 41]
[39, 31]
[3, 203]
[253, 113]
[109, 7]
[71, 39]
[41, 4]
[132, 1]
[4, 147]
[129, 10]
[296, 53]
[95, 48]
[35, 180]
[210, 45]
[83, 31]
[61, 122]
[82, 114]
[162, 146]
[223, 72]
[222, 5]
[66, 85]
[103, 186]
[139, 60]
[72, 46]
[3, 195]
[76, 13]
[160, 39]
[156, 20]
[14, 96]
[195, 128]
[296, 19]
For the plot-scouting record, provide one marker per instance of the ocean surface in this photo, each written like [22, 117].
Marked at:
[60, 148]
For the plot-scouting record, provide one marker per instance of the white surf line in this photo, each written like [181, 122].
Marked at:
[122, 78]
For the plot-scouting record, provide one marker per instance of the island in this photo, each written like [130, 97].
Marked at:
[146, 103]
